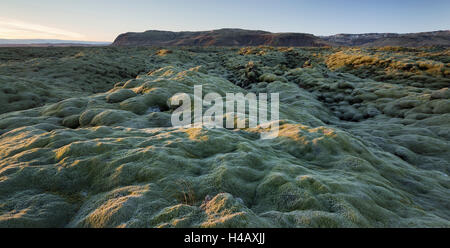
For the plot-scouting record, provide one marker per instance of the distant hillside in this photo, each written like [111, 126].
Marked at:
[221, 37]
[241, 37]
[49, 42]
[437, 38]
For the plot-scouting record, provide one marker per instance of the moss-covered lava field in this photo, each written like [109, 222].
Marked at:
[86, 138]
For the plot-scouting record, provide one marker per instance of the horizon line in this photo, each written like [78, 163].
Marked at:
[162, 30]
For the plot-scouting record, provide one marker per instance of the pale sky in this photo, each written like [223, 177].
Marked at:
[103, 20]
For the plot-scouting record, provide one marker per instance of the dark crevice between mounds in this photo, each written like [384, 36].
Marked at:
[343, 102]
[249, 73]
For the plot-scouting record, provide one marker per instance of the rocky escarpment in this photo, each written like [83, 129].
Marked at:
[437, 38]
[241, 37]
[221, 37]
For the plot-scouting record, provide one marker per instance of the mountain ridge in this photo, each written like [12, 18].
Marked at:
[441, 37]
[242, 37]
[220, 37]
